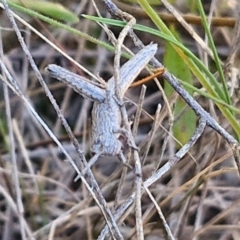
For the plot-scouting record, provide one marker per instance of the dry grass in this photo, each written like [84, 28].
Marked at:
[199, 196]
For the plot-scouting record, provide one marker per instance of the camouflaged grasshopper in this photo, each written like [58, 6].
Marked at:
[106, 114]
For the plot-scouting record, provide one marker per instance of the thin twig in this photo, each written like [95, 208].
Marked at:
[24, 151]
[160, 213]
[15, 176]
[138, 169]
[188, 28]
[152, 132]
[139, 110]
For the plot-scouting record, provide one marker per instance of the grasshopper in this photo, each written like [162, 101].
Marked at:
[106, 114]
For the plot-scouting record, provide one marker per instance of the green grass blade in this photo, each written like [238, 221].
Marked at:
[53, 10]
[214, 50]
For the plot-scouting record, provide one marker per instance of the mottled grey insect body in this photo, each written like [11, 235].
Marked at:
[106, 116]
[106, 124]
[106, 113]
